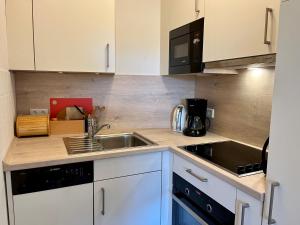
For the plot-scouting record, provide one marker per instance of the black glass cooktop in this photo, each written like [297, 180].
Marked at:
[242, 160]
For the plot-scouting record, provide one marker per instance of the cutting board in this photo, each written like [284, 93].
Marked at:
[58, 104]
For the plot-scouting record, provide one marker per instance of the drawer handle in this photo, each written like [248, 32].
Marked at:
[202, 179]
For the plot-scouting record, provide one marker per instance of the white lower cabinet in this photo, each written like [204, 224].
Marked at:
[248, 210]
[131, 200]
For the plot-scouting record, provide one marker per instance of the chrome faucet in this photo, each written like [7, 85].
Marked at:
[93, 127]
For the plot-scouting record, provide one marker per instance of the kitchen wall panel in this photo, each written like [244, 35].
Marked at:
[242, 103]
[130, 101]
[7, 103]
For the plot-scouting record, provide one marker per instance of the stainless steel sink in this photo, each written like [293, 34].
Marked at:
[77, 145]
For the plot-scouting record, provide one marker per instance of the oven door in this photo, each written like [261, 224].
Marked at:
[185, 213]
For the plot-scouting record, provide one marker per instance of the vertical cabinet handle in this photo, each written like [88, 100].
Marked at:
[107, 55]
[268, 11]
[202, 179]
[197, 10]
[244, 207]
[241, 220]
[270, 219]
[103, 201]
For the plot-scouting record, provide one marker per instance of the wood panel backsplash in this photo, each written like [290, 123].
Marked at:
[242, 103]
[130, 101]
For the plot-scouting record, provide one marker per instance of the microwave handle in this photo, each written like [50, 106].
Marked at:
[187, 209]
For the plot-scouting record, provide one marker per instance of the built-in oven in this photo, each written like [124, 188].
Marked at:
[192, 207]
[186, 48]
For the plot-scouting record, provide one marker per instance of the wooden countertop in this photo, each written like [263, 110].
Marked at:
[34, 152]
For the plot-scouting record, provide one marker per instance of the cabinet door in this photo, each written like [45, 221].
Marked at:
[248, 209]
[132, 200]
[284, 154]
[234, 29]
[138, 37]
[74, 35]
[183, 12]
[20, 34]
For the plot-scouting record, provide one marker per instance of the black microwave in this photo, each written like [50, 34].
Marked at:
[186, 48]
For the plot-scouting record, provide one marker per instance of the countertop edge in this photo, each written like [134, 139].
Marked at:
[224, 175]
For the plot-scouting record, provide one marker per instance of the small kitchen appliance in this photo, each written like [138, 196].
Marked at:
[178, 119]
[186, 48]
[195, 125]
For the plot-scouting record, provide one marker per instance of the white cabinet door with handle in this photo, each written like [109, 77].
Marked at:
[282, 198]
[248, 210]
[74, 36]
[235, 29]
[131, 200]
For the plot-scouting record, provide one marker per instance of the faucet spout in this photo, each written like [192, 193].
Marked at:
[98, 129]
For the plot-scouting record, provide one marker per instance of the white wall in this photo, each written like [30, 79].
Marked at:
[7, 104]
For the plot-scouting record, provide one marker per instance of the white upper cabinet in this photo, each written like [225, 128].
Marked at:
[75, 35]
[235, 29]
[20, 34]
[138, 37]
[181, 12]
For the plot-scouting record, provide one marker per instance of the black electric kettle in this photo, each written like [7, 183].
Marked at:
[264, 156]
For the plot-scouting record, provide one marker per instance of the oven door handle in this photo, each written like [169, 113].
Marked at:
[186, 208]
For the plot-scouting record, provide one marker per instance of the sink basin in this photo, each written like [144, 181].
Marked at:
[77, 145]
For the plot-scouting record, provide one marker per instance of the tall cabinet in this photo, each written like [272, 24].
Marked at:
[282, 200]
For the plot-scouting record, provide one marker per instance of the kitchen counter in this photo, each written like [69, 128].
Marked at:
[46, 151]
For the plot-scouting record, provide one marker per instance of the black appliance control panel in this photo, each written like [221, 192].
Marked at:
[52, 177]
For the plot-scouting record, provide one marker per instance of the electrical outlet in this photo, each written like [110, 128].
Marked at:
[39, 111]
[210, 113]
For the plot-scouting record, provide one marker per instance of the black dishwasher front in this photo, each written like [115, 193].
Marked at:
[50, 195]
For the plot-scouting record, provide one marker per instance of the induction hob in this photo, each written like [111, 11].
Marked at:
[239, 159]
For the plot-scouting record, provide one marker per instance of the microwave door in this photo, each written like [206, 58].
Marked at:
[180, 51]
